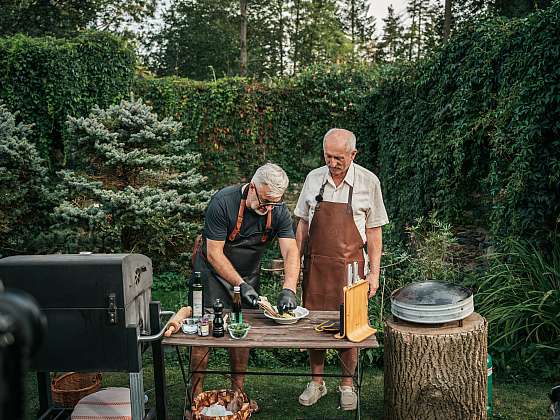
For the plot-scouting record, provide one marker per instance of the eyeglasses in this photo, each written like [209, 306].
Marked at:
[267, 203]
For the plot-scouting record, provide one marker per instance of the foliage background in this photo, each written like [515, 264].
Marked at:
[47, 79]
[467, 134]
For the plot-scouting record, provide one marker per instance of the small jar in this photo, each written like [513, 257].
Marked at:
[203, 327]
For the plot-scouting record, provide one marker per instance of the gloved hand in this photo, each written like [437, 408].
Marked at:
[286, 301]
[249, 295]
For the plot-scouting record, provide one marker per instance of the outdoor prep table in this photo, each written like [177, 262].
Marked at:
[265, 334]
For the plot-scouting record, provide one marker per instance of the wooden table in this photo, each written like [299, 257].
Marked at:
[265, 334]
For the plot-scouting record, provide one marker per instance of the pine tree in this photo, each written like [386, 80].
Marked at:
[434, 28]
[133, 186]
[317, 34]
[418, 12]
[199, 39]
[266, 37]
[392, 45]
[360, 27]
[26, 196]
[65, 18]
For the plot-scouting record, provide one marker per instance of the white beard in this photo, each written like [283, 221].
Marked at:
[260, 212]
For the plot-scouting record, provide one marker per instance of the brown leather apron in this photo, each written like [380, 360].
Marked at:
[333, 242]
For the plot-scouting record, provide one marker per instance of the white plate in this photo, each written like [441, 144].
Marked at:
[299, 313]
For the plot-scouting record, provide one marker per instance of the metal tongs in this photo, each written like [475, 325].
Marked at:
[328, 327]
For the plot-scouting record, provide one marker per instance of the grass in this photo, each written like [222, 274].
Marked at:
[277, 396]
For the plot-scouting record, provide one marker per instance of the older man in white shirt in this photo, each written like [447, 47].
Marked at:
[341, 210]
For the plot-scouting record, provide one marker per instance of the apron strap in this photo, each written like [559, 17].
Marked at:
[319, 197]
[268, 225]
[240, 213]
[349, 208]
[237, 228]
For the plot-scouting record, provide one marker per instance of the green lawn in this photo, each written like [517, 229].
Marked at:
[277, 396]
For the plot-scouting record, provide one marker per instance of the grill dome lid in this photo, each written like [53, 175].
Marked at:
[431, 293]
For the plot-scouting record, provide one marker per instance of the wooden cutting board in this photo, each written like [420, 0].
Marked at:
[356, 321]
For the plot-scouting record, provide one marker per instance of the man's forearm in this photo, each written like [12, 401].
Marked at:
[374, 238]
[291, 267]
[224, 268]
[301, 235]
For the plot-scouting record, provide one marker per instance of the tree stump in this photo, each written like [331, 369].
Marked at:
[436, 372]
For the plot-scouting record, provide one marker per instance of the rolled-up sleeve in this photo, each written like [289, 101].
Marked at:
[302, 207]
[377, 215]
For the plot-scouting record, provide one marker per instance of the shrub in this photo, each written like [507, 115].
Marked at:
[25, 196]
[520, 297]
[47, 79]
[134, 185]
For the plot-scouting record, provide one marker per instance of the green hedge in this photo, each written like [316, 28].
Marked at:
[475, 129]
[47, 79]
[239, 124]
[472, 131]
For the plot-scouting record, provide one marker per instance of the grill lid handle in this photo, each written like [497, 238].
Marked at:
[159, 335]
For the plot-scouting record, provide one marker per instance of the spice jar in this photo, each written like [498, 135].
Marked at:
[203, 327]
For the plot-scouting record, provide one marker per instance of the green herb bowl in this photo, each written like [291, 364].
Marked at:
[239, 331]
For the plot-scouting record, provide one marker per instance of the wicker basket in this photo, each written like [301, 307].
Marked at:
[71, 387]
[224, 397]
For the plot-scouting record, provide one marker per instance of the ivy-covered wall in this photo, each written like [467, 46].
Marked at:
[474, 131]
[47, 79]
[237, 125]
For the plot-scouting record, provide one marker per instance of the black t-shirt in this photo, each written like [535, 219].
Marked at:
[221, 217]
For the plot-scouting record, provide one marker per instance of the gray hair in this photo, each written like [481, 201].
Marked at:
[350, 138]
[272, 176]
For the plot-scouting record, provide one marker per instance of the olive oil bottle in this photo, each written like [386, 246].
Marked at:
[236, 311]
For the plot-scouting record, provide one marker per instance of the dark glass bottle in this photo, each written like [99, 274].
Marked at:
[218, 325]
[236, 312]
[197, 298]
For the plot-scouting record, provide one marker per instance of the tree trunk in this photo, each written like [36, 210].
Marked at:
[243, 39]
[436, 372]
[281, 20]
[296, 37]
[419, 30]
[353, 28]
[412, 32]
[447, 20]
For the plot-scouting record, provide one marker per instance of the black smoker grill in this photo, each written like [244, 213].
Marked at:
[98, 313]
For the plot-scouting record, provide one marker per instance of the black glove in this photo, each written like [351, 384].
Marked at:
[249, 295]
[286, 301]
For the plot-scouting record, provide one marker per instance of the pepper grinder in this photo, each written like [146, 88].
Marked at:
[218, 329]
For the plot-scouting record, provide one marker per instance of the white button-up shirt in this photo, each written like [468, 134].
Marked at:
[367, 200]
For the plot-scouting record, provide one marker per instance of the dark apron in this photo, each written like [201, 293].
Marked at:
[244, 253]
[333, 242]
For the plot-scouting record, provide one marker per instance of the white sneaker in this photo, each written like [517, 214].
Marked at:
[312, 393]
[348, 397]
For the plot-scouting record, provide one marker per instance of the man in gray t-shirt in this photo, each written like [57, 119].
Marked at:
[240, 222]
